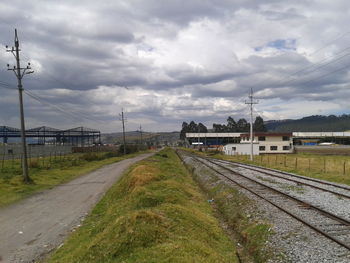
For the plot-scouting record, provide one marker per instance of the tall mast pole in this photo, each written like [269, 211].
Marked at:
[123, 122]
[251, 102]
[20, 72]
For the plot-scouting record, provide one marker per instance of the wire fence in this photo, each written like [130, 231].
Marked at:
[317, 164]
[11, 154]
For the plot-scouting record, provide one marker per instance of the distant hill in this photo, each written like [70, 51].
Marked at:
[313, 123]
[148, 137]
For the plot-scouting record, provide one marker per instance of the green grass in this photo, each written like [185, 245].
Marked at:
[155, 213]
[46, 174]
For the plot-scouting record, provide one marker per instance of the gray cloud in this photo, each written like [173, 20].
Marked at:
[180, 60]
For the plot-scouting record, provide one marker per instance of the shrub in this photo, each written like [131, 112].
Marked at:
[91, 157]
[111, 154]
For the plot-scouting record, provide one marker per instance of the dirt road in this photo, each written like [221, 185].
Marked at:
[35, 226]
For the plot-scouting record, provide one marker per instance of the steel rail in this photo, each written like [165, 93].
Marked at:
[286, 173]
[303, 203]
[249, 167]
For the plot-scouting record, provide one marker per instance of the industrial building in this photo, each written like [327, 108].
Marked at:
[264, 143]
[47, 135]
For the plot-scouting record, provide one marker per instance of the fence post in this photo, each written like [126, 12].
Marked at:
[344, 167]
[309, 164]
[296, 162]
[285, 161]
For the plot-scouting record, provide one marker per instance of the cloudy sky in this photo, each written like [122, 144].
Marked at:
[169, 61]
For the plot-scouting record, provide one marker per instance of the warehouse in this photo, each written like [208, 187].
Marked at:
[239, 143]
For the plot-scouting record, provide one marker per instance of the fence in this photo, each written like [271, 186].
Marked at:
[318, 164]
[10, 154]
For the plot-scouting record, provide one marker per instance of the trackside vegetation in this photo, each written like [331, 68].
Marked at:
[47, 172]
[239, 213]
[155, 213]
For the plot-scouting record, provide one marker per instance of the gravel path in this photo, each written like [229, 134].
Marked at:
[35, 226]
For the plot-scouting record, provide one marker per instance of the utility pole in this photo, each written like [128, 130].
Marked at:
[140, 135]
[251, 102]
[123, 122]
[20, 72]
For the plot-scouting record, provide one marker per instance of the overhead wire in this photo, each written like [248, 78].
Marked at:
[74, 114]
[314, 67]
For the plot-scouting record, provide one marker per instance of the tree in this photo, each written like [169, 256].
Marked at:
[193, 127]
[219, 127]
[231, 125]
[242, 125]
[184, 129]
[202, 128]
[259, 125]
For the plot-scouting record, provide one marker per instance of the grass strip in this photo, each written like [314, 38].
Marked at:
[155, 213]
[60, 171]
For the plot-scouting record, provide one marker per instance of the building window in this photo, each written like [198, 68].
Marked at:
[233, 148]
[286, 148]
[261, 148]
[273, 148]
[262, 138]
[285, 138]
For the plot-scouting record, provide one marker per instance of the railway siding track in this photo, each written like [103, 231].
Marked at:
[331, 197]
[330, 225]
[295, 177]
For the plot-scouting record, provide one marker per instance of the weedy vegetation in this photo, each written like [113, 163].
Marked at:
[155, 213]
[238, 213]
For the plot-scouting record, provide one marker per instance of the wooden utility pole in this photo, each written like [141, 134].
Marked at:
[20, 72]
[140, 135]
[123, 122]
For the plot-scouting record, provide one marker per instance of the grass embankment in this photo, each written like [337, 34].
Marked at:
[239, 214]
[331, 168]
[155, 213]
[47, 172]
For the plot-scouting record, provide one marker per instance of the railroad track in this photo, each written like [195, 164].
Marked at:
[339, 190]
[328, 224]
[291, 177]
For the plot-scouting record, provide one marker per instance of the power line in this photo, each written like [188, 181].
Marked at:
[329, 43]
[74, 115]
[282, 82]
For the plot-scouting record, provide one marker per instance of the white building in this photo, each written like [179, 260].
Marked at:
[240, 149]
[263, 143]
